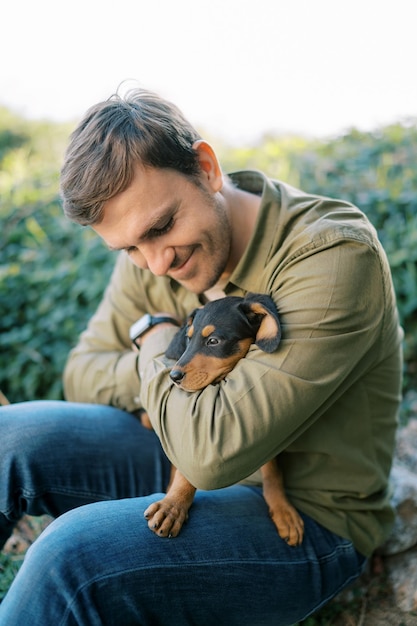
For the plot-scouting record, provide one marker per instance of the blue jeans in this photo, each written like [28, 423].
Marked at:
[100, 564]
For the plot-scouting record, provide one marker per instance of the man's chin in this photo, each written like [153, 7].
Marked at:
[195, 284]
[198, 283]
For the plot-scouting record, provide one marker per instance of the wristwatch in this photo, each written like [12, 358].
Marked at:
[145, 323]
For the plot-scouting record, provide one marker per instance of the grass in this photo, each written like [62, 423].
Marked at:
[27, 530]
[9, 566]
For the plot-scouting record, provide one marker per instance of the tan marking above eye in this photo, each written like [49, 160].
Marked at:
[207, 330]
[190, 331]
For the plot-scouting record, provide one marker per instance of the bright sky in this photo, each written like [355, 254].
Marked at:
[237, 68]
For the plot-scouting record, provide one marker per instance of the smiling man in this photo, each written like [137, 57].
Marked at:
[326, 400]
[173, 226]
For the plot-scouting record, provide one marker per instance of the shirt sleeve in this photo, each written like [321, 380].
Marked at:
[332, 307]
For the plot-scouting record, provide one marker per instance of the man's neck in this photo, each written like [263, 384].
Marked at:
[217, 291]
[243, 212]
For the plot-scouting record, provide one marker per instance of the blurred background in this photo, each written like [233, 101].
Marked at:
[320, 94]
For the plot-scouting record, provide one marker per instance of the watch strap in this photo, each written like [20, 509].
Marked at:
[161, 319]
[147, 322]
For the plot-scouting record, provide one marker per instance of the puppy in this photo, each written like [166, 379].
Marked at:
[207, 348]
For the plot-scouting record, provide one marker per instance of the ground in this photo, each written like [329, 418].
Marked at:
[372, 606]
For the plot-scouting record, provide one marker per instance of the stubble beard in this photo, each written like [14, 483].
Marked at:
[220, 246]
[216, 253]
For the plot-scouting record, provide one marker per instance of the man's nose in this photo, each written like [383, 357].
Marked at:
[158, 259]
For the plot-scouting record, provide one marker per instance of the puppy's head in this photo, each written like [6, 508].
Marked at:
[218, 335]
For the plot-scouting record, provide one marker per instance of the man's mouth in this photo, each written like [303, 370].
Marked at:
[180, 267]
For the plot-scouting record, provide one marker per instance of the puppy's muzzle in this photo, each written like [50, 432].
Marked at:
[176, 376]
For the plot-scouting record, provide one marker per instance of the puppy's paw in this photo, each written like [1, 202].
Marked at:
[166, 517]
[289, 524]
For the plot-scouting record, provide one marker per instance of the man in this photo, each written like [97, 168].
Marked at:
[326, 401]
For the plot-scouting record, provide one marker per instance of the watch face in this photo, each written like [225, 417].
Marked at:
[139, 327]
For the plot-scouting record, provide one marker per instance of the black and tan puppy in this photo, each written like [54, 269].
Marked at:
[207, 348]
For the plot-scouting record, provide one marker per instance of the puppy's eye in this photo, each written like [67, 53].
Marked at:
[212, 341]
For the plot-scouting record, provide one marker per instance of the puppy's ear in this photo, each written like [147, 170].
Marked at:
[263, 316]
[179, 342]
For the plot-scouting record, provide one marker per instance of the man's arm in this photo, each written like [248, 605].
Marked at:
[338, 321]
[102, 368]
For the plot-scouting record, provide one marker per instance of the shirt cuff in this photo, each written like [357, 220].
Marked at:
[155, 346]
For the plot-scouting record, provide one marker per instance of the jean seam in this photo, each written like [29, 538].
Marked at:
[342, 586]
[210, 564]
[90, 495]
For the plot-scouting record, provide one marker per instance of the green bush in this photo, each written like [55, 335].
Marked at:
[52, 277]
[9, 566]
[53, 272]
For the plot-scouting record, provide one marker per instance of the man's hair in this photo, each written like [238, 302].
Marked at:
[115, 136]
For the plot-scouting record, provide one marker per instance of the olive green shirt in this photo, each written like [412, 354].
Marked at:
[326, 401]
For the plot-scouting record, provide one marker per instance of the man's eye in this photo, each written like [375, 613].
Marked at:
[212, 341]
[158, 232]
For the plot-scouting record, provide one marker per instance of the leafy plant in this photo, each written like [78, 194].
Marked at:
[9, 566]
[53, 272]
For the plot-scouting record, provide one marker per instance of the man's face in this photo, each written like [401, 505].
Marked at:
[171, 226]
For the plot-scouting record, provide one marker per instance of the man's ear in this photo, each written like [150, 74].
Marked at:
[209, 164]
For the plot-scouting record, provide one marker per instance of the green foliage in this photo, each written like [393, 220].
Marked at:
[12, 132]
[53, 272]
[9, 566]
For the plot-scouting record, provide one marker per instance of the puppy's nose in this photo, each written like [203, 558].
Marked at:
[176, 375]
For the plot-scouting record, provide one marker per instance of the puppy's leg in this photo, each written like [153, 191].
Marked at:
[167, 516]
[285, 517]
